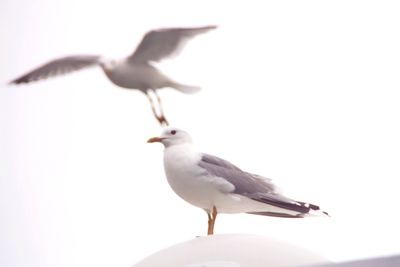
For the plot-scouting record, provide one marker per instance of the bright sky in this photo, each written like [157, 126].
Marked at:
[304, 92]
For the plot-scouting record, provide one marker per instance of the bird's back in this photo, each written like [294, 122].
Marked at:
[141, 76]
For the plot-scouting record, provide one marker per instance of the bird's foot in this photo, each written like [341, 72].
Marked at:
[162, 120]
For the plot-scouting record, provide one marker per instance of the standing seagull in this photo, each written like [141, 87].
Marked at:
[133, 72]
[218, 186]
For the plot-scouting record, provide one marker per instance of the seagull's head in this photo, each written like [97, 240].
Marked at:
[171, 136]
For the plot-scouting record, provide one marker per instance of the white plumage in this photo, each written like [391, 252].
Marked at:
[217, 186]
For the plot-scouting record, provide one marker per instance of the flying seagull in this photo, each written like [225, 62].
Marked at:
[136, 71]
[218, 186]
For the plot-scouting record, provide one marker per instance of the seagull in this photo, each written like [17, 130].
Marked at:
[217, 186]
[136, 71]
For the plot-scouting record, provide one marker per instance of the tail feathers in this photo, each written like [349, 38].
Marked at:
[314, 209]
[277, 214]
[187, 89]
[309, 210]
[317, 213]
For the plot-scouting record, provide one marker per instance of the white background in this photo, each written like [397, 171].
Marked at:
[304, 92]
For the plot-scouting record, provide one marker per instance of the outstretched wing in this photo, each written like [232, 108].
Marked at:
[252, 186]
[159, 44]
[58, 67]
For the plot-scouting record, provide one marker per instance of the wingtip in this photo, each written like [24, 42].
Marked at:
[319, 212]
[13, 82]
[20, 80]
[326, 213]
[211, 27]
[208, 28]
[17, 81]
[317, 208]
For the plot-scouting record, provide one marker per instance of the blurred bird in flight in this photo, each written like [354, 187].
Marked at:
[136, 71]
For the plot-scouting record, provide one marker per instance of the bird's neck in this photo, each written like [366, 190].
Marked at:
[181, 151]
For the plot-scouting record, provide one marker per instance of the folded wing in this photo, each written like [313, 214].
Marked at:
[253, 186]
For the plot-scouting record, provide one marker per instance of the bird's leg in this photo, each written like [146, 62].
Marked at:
[210, 230]
[212, 216]
[160, 118]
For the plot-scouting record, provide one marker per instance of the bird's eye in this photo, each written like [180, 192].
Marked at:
[173, 132]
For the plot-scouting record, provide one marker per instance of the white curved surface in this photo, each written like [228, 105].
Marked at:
[232, 250]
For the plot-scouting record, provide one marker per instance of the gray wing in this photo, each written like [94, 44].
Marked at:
[252, 186]
[57, 67]
[159, 44]
[244, 182]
